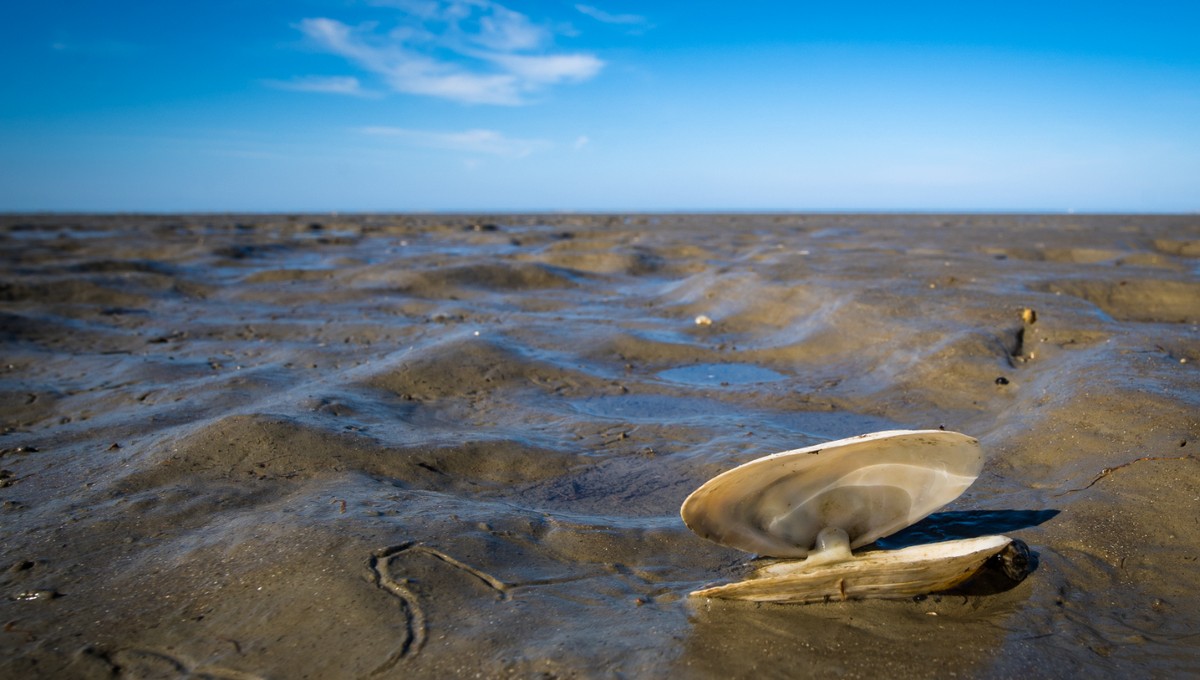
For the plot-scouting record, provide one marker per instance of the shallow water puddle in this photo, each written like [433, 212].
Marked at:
[649, 407]
[792, 426]
[721, 374]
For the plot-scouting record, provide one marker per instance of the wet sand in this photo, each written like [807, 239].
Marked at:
[431, 446]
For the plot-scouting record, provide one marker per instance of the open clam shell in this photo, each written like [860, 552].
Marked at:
[868, 486]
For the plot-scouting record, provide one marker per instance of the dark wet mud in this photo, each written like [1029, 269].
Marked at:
[438, 446]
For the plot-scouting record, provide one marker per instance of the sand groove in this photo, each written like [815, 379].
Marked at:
[415, 625]
[140, 664]
[416, 619]
[1109, 470]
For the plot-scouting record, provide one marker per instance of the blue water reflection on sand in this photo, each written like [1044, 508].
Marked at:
[658, 408]
[721, 374]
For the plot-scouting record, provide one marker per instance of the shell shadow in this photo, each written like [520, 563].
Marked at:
[1002, 571]
[950, 526]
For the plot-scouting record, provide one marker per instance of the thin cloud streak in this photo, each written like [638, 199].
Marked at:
[480, 52]
[604, 17]
[344, 85]
[487, 142]
[509, 31]
[550, 69]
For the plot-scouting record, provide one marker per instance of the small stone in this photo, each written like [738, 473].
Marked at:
[703, 320]
[1029, 316]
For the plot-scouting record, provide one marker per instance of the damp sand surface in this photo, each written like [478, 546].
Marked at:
[455, 446]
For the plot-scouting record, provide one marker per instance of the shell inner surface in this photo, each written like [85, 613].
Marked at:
[868, 486]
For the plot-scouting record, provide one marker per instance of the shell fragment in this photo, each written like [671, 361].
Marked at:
[916, 570]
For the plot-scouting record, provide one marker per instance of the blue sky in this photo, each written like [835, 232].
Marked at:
[370, 105]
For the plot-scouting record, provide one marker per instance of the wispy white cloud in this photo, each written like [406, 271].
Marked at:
[347, 85]
[548, 69]
[600, 15]
[581, 141]
[471, 51]
[504, 30]
[487, 142]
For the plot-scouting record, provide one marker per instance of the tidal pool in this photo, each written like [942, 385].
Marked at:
[721, 374]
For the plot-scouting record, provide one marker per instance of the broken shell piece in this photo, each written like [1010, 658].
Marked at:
[915, 570]
[823, 501]
[868, 486]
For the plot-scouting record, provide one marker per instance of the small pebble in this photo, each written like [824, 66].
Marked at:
[703, 320]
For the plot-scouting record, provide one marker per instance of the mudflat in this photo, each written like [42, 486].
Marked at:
[399, 446]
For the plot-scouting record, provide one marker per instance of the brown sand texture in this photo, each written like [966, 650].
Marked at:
[456, 446]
